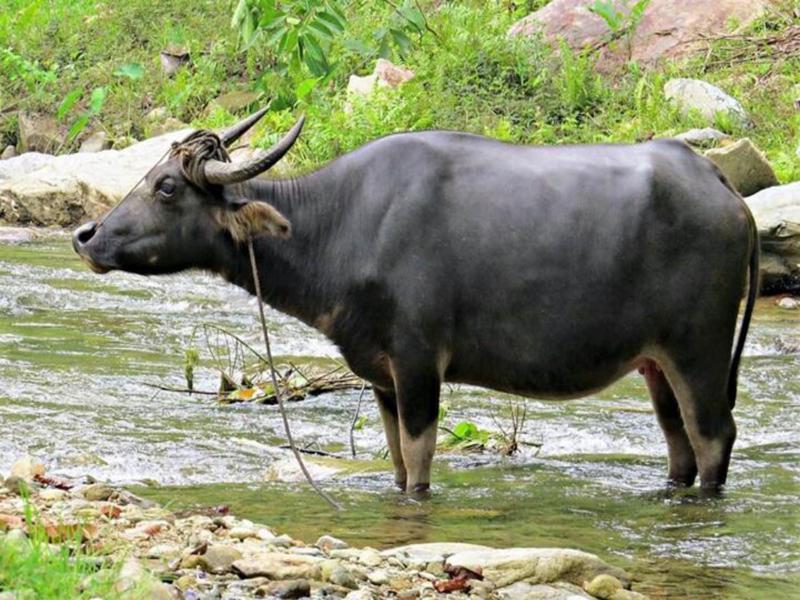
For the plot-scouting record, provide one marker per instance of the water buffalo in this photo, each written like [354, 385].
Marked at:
[440, 256]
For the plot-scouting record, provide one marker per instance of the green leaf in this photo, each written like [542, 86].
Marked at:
[305, 87]
[321, 29]
[130, 70]
[68, 102]
[78, 126]
[465, 430]
[402, 41]
[413, 15]
[357, 46]
[239, 13]
[97, 100]
[332, 21]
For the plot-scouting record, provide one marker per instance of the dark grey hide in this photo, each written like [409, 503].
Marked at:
[548, 272]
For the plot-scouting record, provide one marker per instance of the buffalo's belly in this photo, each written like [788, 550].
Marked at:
[560, 377]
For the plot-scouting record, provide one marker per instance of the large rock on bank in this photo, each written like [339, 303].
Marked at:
[669, 28]
[745, 166]
[695, 95]
[777, 214]
[38, 189]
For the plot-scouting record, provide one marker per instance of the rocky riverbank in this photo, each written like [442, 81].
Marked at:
[209, 554]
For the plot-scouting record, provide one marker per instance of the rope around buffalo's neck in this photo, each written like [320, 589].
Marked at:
[275, 386]
[192, 152]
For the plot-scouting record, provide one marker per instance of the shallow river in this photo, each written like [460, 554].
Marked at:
[79, 352]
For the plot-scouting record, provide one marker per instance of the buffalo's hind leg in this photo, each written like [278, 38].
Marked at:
[682, 463]
[701, 389]
[387, 404]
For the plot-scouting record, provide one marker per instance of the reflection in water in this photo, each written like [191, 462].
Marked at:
[77, 350]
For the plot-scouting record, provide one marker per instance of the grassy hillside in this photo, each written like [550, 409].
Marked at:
[55, 53]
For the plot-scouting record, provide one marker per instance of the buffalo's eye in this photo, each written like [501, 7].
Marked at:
[166, 187]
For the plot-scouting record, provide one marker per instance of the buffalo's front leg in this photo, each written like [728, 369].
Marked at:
[387, 404]
[418, 408]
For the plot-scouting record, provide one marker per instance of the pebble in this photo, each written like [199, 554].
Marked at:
[97, 491]
[369, 557]
[219, 558]
[378, 577]
[293, 588]
[789, 303]
[243, 533]
[27, 468]
[326, 543]
[342, 577]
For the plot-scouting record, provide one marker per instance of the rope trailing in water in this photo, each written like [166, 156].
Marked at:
[277, 388]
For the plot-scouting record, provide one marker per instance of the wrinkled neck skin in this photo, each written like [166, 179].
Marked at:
[296, 274]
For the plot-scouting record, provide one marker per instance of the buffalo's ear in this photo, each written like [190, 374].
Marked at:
[250, 218]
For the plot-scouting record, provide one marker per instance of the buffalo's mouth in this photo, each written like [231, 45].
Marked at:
[97, 268]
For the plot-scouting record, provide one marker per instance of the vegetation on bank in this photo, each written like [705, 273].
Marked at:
[96, 65]
[50, 562]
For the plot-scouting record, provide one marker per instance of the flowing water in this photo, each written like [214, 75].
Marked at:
[79, 354]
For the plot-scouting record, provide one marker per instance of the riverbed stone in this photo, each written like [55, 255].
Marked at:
[52, 495]
[97, 492]
[534, 565]
[293, 588]
[522, 590]
[9, 152]
[343, 578]
[27, 468]
[219, 558]
[276, 565]
[707, 100]
[745, 166]
[603, 586]
[432, 552]
[326, 543]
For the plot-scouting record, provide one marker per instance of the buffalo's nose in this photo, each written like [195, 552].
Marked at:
[83, 234]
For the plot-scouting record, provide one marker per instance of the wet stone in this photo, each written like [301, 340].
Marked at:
[326, 543]
[97, 492]
[219, 558]
[293, 588]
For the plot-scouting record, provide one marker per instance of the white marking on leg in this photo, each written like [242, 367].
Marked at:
[391, 428]
[418, 456]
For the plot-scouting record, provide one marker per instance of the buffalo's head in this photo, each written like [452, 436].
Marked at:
[186, 209]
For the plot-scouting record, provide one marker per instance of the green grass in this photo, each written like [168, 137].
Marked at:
[471, 77]
[32, 568]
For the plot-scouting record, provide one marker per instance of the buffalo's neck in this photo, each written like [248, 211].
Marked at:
[296, 274]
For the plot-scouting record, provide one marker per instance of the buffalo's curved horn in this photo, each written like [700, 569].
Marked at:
[229, 136]
[223, 173]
